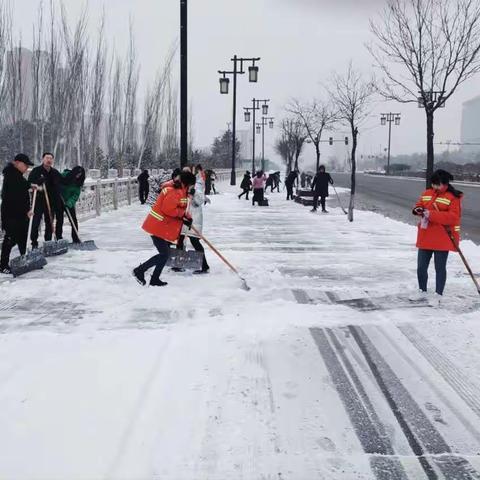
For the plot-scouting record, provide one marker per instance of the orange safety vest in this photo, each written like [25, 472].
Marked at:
[165, 218]
[445, 211]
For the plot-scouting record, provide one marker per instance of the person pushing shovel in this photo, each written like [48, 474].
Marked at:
[15, 210]
[52, 179]
[164, 225]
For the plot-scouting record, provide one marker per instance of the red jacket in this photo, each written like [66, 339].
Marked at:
[449, 213]
[165, 217]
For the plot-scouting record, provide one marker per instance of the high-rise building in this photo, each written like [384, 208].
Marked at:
[470, 129]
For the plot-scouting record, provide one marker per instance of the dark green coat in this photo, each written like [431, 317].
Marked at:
[70, 193]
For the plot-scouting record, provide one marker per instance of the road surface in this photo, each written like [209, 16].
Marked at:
[394, 197]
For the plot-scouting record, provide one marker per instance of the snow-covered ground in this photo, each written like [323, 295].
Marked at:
[323, 370]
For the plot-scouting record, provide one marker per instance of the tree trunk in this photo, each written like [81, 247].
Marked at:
[430, 147]
[353, 162]
[317, 150]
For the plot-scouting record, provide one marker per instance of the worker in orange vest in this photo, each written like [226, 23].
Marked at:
[440, 211]
[164, 224]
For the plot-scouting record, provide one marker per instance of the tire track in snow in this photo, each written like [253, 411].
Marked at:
[438, 392]
[373, 442]
[422, 436]
[448, 370]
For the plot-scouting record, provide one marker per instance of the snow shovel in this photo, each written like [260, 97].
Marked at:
[87, 245]
[33, 259]
[185, 259]
[339, 202]
[462, 256]
[53, 248]
[224, 260]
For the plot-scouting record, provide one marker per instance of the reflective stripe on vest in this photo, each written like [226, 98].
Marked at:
[156, 215]
[444, 201]
[457, 229]
[426, 198]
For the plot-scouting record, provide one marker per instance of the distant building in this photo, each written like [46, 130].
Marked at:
[470, 129]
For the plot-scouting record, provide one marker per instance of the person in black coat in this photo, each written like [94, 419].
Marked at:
[143, 186]
[320, 188]
[246, 185]
[290, 183]
[51, 179]
[15, 209]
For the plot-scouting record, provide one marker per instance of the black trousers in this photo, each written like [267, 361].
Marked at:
[158, 261]
[197, 245]
[257, 195]
[73, 216]
[289, 192]
[245, 191]
[13, 236]
[315, 201]
[423, 261]
[41, 211]
[143, 192]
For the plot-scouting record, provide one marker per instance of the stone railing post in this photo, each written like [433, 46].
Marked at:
[115, 194]
[129, 191]
[98, 198]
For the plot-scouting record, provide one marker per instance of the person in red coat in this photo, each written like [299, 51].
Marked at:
[164, 224]
[440, 212]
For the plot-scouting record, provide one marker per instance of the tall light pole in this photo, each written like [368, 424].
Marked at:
[248, 111]
[224, 82]
[183, 83]
[389, 118]
[265, 121]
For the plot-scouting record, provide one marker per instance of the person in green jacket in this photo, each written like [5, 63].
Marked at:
[71, 188]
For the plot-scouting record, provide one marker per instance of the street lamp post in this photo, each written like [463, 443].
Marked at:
[389, 118]
[248, 112]
[265, 121]
[183, 84]
[224, 82]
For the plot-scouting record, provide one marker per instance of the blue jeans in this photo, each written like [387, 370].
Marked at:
[158, 261]
[423, 261]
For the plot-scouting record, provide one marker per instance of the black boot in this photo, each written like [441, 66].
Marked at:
[201, 272]
[157, 283]
[139, 275]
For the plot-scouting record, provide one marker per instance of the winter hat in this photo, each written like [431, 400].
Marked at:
[21, 157]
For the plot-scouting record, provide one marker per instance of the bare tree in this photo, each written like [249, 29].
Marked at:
[352, 95]
[317, 117]
[289, 145]
[115, 110]
[38, 84]
[436, 43]
[73, 86]
[130, 84]
[97, 92]
[153, 103]
[170, 113]
[5, 35]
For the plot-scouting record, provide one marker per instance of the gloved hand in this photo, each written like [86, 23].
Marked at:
[41, 180]
[418, 211]
[187, 222]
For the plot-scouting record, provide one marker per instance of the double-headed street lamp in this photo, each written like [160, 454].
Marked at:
[238, 64]
[256, 105]
[389, 118]
[261, 128]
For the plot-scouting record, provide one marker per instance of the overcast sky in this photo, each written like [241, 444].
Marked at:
[300, 42]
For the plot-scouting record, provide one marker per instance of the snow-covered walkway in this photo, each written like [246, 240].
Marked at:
[324, 370]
